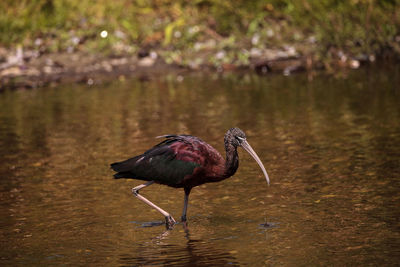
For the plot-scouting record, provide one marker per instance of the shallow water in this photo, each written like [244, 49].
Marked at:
[330, 145]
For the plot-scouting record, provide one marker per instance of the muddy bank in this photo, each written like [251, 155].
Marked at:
[30, 69]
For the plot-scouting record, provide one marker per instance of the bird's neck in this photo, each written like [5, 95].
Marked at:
[232, 160]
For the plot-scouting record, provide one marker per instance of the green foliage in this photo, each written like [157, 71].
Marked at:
[364, 24]
[359, 25]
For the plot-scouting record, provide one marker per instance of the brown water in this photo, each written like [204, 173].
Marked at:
[330, 145]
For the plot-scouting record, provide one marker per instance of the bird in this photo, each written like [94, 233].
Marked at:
[184, 161]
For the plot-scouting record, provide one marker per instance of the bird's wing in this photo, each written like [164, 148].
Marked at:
[167, 163]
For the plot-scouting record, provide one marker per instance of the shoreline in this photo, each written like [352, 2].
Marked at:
[30, 70]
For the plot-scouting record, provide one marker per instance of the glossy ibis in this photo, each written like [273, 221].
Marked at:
[184, 161]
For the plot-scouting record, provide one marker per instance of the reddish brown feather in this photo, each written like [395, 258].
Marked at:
[193, 149]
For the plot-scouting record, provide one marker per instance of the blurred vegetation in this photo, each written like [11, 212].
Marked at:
[357, 26]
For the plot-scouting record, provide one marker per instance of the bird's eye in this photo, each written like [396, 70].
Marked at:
[240, 139]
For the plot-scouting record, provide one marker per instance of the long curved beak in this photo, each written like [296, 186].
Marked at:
[248, 148]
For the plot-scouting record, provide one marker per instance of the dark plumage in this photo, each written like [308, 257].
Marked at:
[184, 161]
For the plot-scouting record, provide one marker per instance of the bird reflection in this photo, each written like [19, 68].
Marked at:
[161, 251]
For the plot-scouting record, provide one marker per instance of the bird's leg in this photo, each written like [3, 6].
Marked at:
[185, 204]
[170, 221]
[185, 208]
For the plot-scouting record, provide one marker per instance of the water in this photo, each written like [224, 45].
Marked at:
[330, 145]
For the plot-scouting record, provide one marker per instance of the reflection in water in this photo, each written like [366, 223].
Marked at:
[331, 147]
[190, 252]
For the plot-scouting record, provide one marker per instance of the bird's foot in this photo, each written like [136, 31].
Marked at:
[169, 222]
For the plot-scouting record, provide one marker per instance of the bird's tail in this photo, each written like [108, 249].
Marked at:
[123, 171]
[126, 169]
[117, 166]
[114, 166]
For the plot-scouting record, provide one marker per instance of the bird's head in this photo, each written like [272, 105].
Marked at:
[237, 138]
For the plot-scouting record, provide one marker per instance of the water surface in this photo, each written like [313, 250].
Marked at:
[330, 145]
